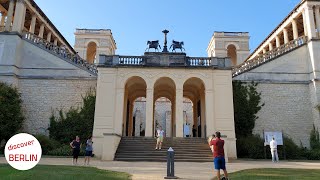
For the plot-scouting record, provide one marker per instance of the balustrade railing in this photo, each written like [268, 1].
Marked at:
[130, 60]
[268, 56]
[60, 51]
[199, 61]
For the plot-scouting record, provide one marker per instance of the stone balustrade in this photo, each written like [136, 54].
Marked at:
[270, 55]
[165, 59]
[61, 51]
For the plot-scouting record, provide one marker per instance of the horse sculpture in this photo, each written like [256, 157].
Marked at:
[153, 44]
[177, 45]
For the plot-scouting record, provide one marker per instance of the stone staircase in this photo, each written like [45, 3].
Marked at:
[143, 149]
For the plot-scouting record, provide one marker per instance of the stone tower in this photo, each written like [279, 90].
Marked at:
[89, 43]
[230, 44]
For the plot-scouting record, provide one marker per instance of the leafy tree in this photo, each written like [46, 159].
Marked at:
[76, 121]
[11, 116]
[246, 102]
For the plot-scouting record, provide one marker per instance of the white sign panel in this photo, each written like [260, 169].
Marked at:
[269, 135]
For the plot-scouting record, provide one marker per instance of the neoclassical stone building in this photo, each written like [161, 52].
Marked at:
[135, 93]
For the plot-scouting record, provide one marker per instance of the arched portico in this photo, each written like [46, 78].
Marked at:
[135, 87]
[165, 87]
[91, 51]
[232, 53]
[194, 89]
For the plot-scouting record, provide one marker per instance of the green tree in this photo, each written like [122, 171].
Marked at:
[247, 103]
[11, 116]
[76, 121]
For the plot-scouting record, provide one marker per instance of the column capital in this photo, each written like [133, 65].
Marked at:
[21, 1]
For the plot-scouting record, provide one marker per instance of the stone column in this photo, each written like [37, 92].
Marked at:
[317, 15]
[55, 42]
[9, 16]
[41, 31]
[49, 36]
[179, 112]
[3, 18]
[33, 24]
[277, 41]
[295, 29]
[308, 19]
[19, 16]
[149, 113]
[270, 46]
[264, 50]
[285, 36]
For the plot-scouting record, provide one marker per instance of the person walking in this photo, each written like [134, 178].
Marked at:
[75, 145]
[88, 153]
[160, 134]
[218, 155]
[274, 151]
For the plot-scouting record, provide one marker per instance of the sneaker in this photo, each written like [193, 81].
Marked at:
[159, 148]
[156, 148]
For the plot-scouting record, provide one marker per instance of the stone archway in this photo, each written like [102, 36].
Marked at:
[194, 89]
[91, 52]
[165, 88]
[232, 53]
[135, 89]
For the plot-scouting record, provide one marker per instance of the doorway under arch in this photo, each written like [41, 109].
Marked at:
[91, 52]
[194, 89]
[135, 90]
[164, 89]
[232, 53]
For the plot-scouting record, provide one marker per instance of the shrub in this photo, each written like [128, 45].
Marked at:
[76, 121]
[11, 117]
[47, 144]
[250, 147]
[65, 150]
[314, 138]
[253, 147]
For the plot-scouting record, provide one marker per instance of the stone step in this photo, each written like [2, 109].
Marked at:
[142, 149]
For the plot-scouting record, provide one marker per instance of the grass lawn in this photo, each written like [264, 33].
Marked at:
[60, 172]
[276, 174]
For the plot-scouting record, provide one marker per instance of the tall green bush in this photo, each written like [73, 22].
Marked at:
[247, 103]
[314, 138]
[76, 121]
[11, 116]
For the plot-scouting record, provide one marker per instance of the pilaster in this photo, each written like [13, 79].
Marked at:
[19, 16]
[9, 16]
[33, 24]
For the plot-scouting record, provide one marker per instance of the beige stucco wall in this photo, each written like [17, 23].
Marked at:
[46, 82]
[286, 90]
[110, 101]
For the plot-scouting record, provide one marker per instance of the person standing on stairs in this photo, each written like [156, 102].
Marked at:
[160, 134]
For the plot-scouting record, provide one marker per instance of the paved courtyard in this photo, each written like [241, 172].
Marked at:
[184, 170]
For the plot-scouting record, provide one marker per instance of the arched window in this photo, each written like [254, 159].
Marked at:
[91, 52]
[232, 53]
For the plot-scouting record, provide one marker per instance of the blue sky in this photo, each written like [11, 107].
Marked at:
[134, 22]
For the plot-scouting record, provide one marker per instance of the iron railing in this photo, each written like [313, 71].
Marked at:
[61, 51]
[270, 55]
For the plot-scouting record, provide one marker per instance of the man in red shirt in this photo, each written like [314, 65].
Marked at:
[218, 155]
